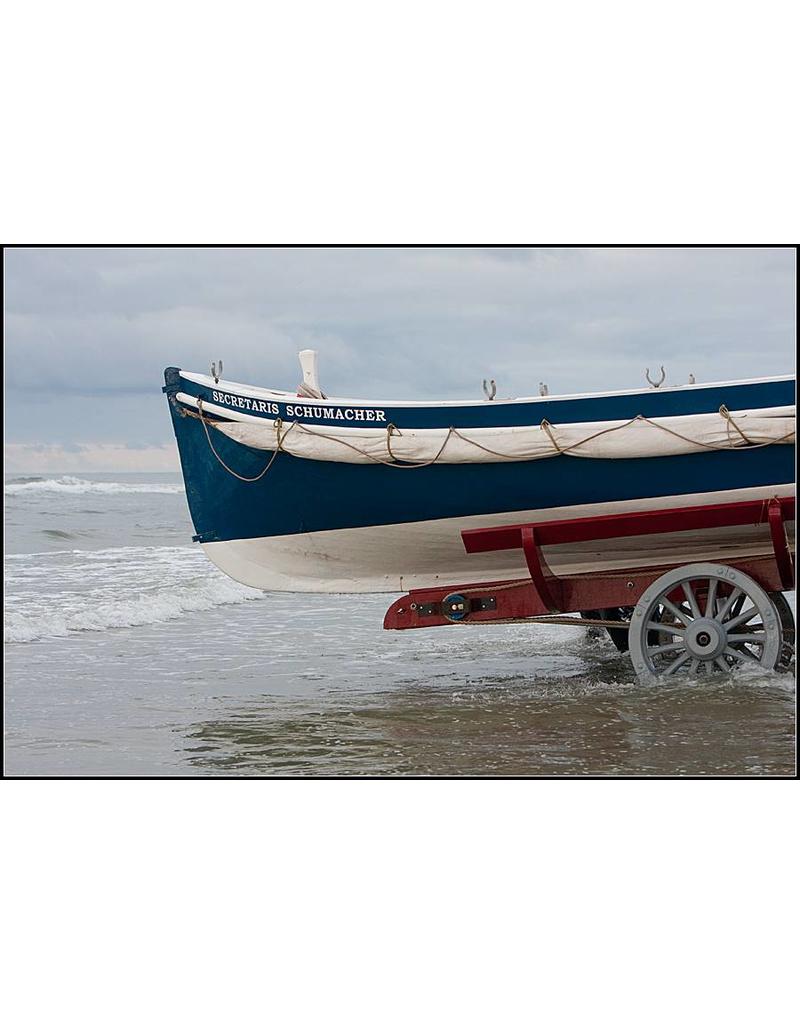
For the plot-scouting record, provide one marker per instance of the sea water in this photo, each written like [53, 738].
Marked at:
[128, 653]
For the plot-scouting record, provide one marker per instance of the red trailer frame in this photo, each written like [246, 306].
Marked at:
[545, 593]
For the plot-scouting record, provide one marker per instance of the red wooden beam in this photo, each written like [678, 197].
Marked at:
[780, 545]
[628, 524]
[543, 580]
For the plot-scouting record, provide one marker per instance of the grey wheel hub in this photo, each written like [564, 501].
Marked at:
[706, 639]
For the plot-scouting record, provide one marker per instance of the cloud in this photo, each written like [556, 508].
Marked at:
[98, 458]
[89, 331]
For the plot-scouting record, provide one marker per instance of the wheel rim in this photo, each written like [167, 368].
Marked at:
[787, 630]
[702, 620]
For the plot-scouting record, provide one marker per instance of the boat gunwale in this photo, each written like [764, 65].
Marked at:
[222, 413]
[252, 391]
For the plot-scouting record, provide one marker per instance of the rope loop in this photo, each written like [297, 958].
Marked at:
[390, 430]
[731, 422]
[244, 479]
[547, 427]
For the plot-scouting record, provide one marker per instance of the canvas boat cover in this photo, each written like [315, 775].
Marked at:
[637, 438]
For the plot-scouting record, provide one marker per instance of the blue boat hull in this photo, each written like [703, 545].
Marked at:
[338, 504]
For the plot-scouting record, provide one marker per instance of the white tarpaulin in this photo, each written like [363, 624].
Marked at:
[616, 439]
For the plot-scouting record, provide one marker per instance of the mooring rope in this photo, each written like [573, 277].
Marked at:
[553, 620]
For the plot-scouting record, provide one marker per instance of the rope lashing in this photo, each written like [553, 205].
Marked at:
[220, 460]
[566, 450]
[396, 461]
[420, 465]
[395, 464]
[491, 451]
[731, 422]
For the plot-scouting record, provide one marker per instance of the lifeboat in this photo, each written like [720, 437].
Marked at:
[298, 491]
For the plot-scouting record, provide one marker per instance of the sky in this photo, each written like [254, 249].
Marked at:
[88, 332]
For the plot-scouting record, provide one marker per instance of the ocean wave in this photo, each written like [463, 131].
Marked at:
[76, 485]
[102, 611]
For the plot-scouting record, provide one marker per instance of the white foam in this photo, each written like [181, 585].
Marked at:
[76, 485]
[101, 611]
[106, 554]
[111, 588]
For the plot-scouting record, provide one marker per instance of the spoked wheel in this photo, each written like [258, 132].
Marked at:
[787, 629]
[703, 619]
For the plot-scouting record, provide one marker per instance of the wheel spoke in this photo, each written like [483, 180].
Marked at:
[741, 619]
[653, 652]
[722, 663]
[677, 664]
[746, 638]
[738, 604]
[679, 615]
[711, 598]
[663, 627]
[744, 656]
[727, 603]
[687, 589]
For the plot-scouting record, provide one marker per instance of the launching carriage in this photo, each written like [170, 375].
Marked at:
[666, 512]
[696, 619]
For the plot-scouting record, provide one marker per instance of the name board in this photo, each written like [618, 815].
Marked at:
[293, 411]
